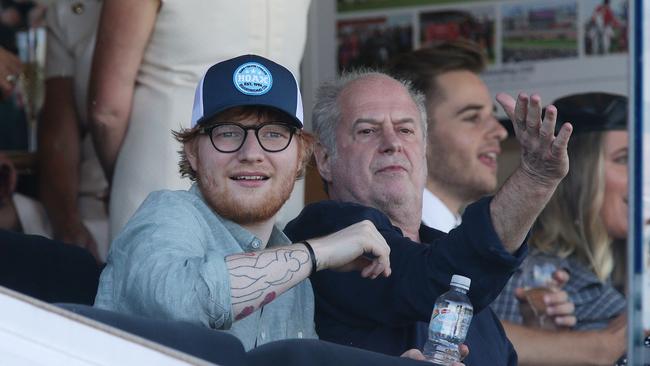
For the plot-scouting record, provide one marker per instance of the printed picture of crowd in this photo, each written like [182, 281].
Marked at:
[476, 24]
[539, 30]
[605, 26]
[359, 5]
[372, 42]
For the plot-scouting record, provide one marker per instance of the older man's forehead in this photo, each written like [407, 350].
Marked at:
[380, 111]
[379, 120]
[376, 104]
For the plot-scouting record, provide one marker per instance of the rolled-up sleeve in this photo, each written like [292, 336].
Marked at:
[166, 264]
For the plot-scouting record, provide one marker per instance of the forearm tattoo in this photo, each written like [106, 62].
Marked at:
[259, 277]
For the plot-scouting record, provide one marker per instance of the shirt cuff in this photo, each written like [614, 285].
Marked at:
[485, 239]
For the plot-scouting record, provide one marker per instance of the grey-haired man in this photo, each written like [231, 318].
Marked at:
[371, 152]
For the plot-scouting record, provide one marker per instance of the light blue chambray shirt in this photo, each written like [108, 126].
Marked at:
[168, 263]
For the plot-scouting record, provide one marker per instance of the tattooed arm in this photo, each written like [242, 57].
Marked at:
[257, 278]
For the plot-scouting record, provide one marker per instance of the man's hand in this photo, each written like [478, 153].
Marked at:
[416, 354]
[464, 351]
[544, 155]
[358, 247]
[544, 163]
[557, 305]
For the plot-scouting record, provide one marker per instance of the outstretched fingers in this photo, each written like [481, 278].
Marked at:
[508, 104]
[534, 115]
[547, 129]
[516, 110]
[561, 141]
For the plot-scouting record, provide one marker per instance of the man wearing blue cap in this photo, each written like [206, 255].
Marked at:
[212, 255]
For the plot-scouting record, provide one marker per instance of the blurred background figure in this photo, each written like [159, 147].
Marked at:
[584, 226]
[8, 217]
[150, 54]
[72, 186]
[15, 15]
[9, 69]
[71, 183]
[601, 28]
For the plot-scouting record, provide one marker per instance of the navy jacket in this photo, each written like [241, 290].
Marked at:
[390, 315]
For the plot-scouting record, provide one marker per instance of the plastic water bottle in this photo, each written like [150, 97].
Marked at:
[449, 323]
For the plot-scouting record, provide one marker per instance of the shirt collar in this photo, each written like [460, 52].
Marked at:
[436, 214]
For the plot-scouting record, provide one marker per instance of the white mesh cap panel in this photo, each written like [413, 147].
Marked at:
[197, 109]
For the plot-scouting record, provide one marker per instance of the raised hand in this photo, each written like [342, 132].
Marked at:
[544, 162]
[544, 155]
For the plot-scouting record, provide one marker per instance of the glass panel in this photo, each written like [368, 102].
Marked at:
[639, 198]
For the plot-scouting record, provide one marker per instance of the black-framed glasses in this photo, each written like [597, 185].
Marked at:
[228, 137]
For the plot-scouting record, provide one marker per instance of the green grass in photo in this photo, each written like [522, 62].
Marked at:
[554, 44]
[357, 5]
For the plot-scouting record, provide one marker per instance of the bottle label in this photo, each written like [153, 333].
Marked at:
[452, 321]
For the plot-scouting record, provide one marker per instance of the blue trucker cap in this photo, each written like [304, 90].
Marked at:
[247, 80]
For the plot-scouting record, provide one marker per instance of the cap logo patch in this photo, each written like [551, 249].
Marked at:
[252, 78]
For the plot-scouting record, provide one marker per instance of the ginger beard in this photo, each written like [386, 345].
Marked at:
[249, 205]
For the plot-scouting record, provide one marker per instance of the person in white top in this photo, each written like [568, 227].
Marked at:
[72, 188]
[464, 139]
[436, 214]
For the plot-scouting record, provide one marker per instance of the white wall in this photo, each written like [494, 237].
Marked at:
[33, 333]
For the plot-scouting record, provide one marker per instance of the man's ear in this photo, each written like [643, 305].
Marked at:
[190, 148]
[323, 162]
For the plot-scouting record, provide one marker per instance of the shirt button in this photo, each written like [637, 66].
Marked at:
[299, 334]
[255, 244]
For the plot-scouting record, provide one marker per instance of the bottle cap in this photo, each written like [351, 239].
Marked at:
[460, 281]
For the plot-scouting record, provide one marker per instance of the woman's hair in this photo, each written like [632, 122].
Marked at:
[304, 139]
[571, 223]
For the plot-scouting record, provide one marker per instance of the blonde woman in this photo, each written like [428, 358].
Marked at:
[585, 223]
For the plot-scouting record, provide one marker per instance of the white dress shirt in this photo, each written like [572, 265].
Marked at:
[436, 215]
